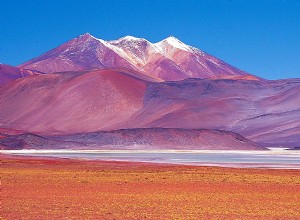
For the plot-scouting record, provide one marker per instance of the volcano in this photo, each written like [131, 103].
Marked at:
[167, 60]
[132, 88]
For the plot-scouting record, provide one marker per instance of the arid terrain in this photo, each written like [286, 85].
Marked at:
[35, 188]
[150, 110]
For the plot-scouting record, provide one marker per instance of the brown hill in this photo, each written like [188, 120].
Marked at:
[78, 102]
[10, 73]
[142, 139]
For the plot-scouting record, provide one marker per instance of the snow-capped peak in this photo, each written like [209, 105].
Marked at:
[135, 50]
[174, 42]
[87, 35]
[127, 39]
[171, 38]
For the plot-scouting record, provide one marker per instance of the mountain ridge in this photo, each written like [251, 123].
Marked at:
[169, 59]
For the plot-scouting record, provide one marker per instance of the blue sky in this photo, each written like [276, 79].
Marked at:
[260, 37]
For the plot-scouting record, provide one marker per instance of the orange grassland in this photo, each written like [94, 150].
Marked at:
[74, 189]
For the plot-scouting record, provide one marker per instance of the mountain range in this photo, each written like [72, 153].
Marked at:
[143, 92]
[167, 60]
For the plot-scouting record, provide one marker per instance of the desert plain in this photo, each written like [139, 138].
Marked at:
[48, 188]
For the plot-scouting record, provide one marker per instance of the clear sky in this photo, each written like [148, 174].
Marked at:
[261, 37]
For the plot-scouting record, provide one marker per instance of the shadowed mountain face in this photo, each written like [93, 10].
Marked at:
[263, 111]
[168, 60]
[10, 73]
[78, 102]
[153, 138]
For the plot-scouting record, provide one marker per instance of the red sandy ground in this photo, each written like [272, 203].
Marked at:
[73, 189]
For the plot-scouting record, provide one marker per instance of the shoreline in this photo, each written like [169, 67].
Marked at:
[174, 157]
[268, 151]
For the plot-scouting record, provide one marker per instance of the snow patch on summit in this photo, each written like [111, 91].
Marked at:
[139, 50]
[114, 48]
[174, 42]
[127, 38]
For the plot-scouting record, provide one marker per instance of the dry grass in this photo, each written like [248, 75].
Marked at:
[69, 189]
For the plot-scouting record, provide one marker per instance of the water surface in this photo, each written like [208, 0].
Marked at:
[268, 159]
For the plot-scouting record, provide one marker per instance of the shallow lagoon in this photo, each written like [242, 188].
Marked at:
[274, 158]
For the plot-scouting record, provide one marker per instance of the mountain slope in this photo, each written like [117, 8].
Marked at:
[263, 111]
[168, 60]
[78, 102]
[142, 139]
[194, 62]
[71, 102]
[10, 73]
[81, 53]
